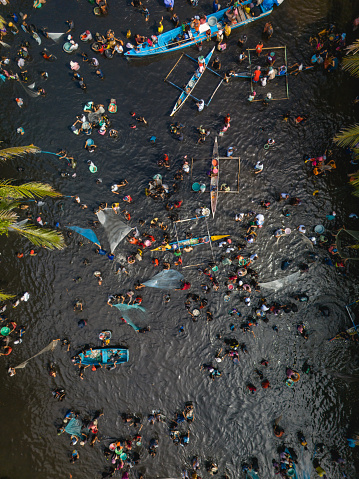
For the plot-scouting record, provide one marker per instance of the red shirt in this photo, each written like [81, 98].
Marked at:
[257, 74]
[186, 286]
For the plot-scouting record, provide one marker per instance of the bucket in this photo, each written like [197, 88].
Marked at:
[319, 229]
[5, 331]
[212, 21]
[196, 312]
[287, 231]
[196, 187]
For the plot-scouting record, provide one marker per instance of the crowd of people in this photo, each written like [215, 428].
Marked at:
[234, 271]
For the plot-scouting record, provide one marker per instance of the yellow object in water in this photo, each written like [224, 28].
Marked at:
[320, 471]
[160, 27]
[315, 192]
[128, 34]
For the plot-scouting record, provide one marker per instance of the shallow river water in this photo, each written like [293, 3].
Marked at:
[163, 372]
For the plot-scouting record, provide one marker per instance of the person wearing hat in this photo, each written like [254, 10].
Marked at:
[196, 24]
[13, 29]
[252, 96]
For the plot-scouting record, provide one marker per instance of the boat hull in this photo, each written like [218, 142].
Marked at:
[189, 242]
[103, 357]
[191, 85]
[214, 178]
[165, 42]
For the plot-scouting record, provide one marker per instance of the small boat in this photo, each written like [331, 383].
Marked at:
[348, 334]
[189, 242]
[173, 40]
[214, 177]
[36, 37]
[103, 356]
[203, 63]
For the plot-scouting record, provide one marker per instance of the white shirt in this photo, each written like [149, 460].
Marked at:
[200, 105]
[95, 62]
[114, 188]
[260, 219]
[301, 229]
[259, 166]
[263, 81]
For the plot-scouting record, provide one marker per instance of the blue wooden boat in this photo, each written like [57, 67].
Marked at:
[102, 356]
[189, 242]
[192, 83]
[173, 40]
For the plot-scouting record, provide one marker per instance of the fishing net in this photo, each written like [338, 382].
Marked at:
[55, 36]
[136, 313]
[167, 279]
[115, 229]
[281, 283]
[74, 427]
[87, 233]
[28, 90]
[347, 242]
[50, 347]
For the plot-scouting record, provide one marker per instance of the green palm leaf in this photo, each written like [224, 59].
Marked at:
[26, 190]
[49, 239]
[7, 153]
[5, 296]
[351, 64]
[348, 137]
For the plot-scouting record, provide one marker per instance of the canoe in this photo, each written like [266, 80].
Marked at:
[249, 75]
[191, 84]
[351, 332]
[189, 242]
[214, 177]
[103, 356]
[170, 41]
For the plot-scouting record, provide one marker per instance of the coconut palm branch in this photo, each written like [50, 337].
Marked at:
[4, 296]
[7, 153]
[354, 181]
[26, 190]
[348, 137]
[49, 239]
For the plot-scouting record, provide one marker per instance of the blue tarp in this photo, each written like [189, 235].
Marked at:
[87, 233]
[74, 427]
[268, 4]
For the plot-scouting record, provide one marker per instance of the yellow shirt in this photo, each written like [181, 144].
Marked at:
[227, 30]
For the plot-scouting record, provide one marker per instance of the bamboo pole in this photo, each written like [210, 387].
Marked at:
[173, 67]
[189, 219]
[286, 65]
[215, 91]
[266, 48]
[179, 88]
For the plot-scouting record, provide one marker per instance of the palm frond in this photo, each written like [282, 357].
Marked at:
[351, 64]
[8, 215]
[7, 153]
[5, 296]
[3, 22]
[49, 239]
[353, 48]
[26, 190]
[348, 137]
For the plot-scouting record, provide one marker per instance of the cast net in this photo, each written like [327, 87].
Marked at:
[87, 233]
[50, 347]
[115, 229]
[137, 313]
[167, 279]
